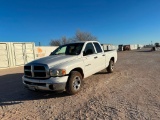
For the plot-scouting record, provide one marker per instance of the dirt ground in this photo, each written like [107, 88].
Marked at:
[132, 92]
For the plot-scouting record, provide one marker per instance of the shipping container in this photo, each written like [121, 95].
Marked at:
[16, 53]
[109, 47]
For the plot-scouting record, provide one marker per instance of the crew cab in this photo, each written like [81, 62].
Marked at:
[67, 66]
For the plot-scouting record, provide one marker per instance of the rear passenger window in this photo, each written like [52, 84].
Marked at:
[89, 49]
[98, 48]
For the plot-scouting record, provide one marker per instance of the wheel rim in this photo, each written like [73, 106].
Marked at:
[77, 83]
[112, 66]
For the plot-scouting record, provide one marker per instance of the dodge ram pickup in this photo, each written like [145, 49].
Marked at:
[67, 66]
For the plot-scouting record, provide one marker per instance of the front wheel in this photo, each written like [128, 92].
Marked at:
[74, 83]
[110, 67]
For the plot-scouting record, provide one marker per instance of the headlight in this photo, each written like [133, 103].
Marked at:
[56, 73]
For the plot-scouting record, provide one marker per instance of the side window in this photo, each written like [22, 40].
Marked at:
[62, 50]
[89, 49]
[98, 48]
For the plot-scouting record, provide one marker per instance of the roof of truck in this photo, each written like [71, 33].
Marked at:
[84, 41]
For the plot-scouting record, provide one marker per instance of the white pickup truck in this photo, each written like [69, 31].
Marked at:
[67, 66]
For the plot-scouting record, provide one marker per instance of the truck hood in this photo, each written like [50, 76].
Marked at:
[54, 60]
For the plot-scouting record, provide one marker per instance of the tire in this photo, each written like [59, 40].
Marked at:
[74, 83]
[110, 67]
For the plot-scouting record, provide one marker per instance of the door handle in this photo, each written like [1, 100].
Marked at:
[95, 57]
[103, 55]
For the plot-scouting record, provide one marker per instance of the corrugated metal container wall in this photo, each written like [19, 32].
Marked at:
[104, 46]
[109, 47]
[114, 47]
[22, 53]
[30, 52]
[4, 53]
[16, 53]
[139, 45]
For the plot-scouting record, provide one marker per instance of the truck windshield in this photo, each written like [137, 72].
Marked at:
[68, 49]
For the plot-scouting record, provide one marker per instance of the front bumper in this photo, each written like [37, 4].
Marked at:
[50, 84]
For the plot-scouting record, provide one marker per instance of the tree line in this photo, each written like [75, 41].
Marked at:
[79, 36]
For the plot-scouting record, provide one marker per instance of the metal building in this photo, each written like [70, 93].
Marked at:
[16, 53]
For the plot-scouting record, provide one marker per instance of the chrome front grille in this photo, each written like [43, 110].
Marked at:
[36, 71]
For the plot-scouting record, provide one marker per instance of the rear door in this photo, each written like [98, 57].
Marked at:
[89, 59]
[100, 60]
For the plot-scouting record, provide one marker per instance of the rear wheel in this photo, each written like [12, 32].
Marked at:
[110, 67]
[74, 83]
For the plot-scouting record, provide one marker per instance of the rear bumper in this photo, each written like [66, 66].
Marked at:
[50, 84]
